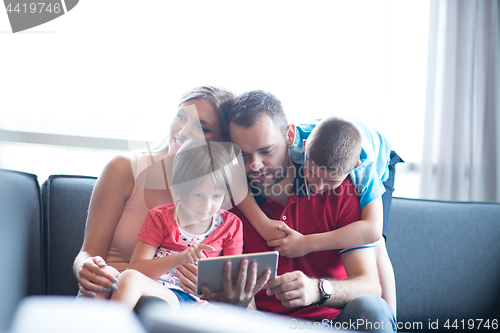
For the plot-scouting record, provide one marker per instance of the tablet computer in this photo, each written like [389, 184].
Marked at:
[210, 269]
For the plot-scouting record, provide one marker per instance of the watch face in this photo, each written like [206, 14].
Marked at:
[327, 287]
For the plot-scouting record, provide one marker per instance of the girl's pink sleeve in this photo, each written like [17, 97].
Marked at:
[152, 230]
[233, 244]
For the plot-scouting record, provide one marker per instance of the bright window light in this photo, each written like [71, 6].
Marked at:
[116, 69]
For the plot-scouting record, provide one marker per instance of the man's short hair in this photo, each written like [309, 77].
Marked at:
[248, 107]
[335, 143]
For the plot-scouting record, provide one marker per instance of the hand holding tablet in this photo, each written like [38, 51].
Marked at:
[210, 270]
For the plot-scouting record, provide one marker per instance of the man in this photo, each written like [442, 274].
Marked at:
[317, 286]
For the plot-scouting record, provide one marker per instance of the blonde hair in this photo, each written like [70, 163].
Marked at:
[221, 100]
[196, 160]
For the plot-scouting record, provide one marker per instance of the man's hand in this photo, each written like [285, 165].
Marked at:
[243, 292]
[187, 277]
[292, 246]
[294, 289]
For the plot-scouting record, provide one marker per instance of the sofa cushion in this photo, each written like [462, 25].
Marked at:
[65, 205]
[445, 257]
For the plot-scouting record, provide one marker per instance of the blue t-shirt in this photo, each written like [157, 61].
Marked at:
[368, 177]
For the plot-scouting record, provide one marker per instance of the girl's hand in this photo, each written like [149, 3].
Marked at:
[292, 246]
[194, 253]
[187, 271]
[94, 276]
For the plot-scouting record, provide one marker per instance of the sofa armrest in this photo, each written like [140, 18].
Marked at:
[445, 257]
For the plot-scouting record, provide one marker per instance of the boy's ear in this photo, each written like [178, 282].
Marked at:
[290, 134]
[359, 162]
[304, 143]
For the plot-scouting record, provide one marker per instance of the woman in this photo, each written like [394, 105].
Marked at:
[124, 194]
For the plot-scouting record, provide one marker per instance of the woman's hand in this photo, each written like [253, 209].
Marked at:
[95, 276]
[245, 289]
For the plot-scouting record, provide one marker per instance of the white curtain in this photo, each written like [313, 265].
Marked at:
[461, 156]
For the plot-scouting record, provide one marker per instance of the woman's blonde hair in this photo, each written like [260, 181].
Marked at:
[221, 100]
[196, 160]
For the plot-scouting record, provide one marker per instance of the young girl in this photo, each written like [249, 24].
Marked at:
[186, 230]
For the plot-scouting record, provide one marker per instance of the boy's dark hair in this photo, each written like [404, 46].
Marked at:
[335, 144]
[248, 107]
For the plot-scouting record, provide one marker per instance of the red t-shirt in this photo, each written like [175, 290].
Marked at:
[160, 229]
[307, 215]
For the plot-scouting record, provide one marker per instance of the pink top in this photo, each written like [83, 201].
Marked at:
[161, 230]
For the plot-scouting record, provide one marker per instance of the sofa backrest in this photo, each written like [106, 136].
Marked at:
[446, 260]
[65, 205]
[445, 254]
[21, 270]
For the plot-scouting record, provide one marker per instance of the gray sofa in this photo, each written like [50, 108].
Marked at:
[445, 254]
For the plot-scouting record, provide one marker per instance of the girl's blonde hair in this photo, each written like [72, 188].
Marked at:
[196, 160]
[221, 100]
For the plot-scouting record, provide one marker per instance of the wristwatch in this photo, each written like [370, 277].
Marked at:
[326, 290]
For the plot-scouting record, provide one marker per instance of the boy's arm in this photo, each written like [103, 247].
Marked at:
[359, 233]
[265, 226]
